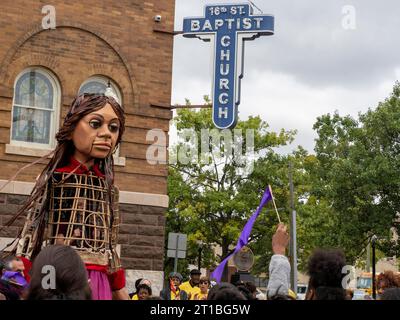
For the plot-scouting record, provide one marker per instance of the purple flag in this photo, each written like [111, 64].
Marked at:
[244, 236]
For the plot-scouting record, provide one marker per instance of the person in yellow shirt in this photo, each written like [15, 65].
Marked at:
[192, 286]
[203, 285]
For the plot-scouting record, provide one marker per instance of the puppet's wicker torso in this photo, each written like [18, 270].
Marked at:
[79, 216]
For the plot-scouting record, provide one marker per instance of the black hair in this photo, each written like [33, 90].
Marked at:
[245, 291]
[10, 291]
[325, 268]
[251, 286]
[71, 280]
[391, 294]
[137, 282]
[5, 264]
[279, 297]
[144, 286]
[325, 271]
[225, 291]
[330, 293]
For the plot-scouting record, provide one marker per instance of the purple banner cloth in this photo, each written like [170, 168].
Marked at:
[15, 276]
[244, 236]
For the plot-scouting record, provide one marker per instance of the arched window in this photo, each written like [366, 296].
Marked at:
[98, 84]
[35, 109]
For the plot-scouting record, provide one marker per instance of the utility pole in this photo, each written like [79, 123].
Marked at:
[373, 242]
[293, 234]
[368, 266]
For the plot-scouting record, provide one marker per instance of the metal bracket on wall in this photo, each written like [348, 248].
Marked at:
[158, 28]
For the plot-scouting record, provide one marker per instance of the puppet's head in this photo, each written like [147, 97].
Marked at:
[92, 129]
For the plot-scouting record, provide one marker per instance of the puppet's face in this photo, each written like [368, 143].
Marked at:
[96, 134]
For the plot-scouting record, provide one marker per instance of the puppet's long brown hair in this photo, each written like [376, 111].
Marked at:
[80, 107]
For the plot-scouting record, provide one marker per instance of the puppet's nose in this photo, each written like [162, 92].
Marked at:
[104, 132]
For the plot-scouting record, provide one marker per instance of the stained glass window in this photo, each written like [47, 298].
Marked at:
[33, 108]
[93, 87]
[98, 84]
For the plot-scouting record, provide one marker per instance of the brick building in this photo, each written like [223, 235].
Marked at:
[42, 69]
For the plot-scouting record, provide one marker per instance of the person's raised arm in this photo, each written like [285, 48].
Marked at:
[279, 266]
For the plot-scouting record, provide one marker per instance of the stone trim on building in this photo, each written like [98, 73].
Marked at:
[125, 197]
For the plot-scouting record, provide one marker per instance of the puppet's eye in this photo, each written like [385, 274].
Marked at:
[95, 124]
[113, 127]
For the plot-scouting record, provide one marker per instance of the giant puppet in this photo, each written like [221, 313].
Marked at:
[74, 201]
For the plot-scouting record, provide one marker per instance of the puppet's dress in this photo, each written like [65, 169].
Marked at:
[80, 216]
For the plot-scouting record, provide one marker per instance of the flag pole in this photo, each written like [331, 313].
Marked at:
[273, 201]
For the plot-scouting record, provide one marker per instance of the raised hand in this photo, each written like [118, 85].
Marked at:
[280, 240]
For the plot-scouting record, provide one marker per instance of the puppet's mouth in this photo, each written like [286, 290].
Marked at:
[103, 146]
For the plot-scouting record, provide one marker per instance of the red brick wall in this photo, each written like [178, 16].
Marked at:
[111, 38]
[98, 37]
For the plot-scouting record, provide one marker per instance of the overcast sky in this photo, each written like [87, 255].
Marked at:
[311, 66]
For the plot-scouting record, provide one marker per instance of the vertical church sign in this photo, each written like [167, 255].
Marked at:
[228, 26]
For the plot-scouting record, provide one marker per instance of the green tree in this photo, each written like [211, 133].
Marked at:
[344, 193]
[358, 173]
[213, 195]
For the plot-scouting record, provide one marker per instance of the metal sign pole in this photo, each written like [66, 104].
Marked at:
[176, 255]
[293, 234]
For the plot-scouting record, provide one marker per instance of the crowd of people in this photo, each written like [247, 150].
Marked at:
[71, 281]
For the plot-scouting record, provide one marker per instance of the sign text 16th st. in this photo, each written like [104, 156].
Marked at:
[239, 23]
